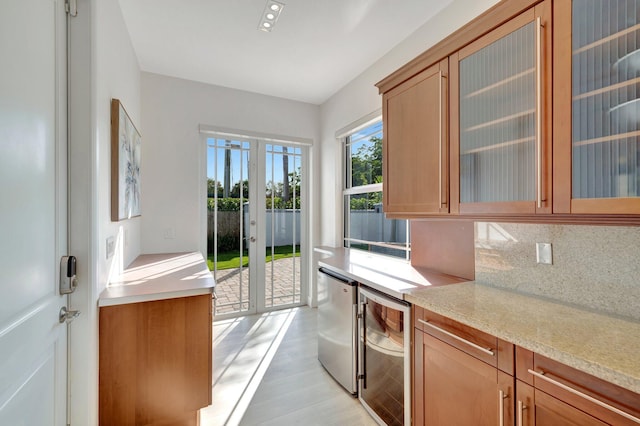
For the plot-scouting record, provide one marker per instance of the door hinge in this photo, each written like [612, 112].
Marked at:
[71, 7]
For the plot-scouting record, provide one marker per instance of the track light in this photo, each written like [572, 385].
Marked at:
[272, 11]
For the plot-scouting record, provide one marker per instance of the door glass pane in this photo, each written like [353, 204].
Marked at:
[497, 120]
[227, 228]
[606, 89]
[283, 220]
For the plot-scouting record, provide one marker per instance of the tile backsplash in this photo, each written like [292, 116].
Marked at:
[597, 267]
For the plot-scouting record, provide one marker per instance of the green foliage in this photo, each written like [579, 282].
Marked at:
[213, 187]
[279, 204]
[233, 204]
[224, 204]
[365, 201]
[366, 163]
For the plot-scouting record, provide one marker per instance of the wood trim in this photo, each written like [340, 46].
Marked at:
[115, 129]
[483, 24]
[418, 377]
[562, 105]
[605, 205]
[524, 362]
[497, 33]
[558, 219]
[506, 357]
[454, 134]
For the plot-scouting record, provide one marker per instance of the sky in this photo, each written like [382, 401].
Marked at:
[240, 160]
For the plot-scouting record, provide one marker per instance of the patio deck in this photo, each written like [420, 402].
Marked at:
[280, 272]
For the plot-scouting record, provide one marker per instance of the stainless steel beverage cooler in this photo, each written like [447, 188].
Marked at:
[385, 352]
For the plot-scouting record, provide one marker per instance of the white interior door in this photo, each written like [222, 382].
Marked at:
[33, 343]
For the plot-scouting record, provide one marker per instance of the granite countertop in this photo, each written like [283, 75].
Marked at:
[159, 276]
[602, 345]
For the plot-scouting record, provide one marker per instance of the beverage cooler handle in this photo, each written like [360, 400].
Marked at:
[363, 352]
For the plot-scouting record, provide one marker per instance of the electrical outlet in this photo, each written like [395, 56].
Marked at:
[544, 253]
[111, 247]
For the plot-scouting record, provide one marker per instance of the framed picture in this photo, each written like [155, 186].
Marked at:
[125, 164]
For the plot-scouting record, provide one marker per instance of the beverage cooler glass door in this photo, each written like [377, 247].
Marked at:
[385, 381]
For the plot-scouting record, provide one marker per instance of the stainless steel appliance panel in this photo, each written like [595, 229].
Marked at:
[337, 327]
[385, 345]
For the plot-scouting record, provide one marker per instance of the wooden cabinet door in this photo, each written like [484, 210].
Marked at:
[155, 361]
[597, 107]
[534, 407]
[453, 388]
[416, 145]
[501, 117]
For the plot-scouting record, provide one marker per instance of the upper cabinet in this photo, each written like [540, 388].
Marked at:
[415, 151]
[501, 132]
[543, 117]
[598, 108]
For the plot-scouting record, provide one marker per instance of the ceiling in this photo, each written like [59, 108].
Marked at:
[316, 47]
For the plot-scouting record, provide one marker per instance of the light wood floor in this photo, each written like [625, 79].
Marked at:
[266, 372]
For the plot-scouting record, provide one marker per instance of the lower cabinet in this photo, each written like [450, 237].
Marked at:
[549, 393]
[457, 379]
[155, 361]
[463, 376]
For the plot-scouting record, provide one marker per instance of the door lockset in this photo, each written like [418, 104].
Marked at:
[68, 280]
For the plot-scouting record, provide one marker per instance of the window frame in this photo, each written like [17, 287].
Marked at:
[348, 190]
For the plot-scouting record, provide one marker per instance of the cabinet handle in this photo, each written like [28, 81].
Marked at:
[440, 167]
[542, 375]
[521, 408]
[473, 345]
[539, 112]
[501, 397]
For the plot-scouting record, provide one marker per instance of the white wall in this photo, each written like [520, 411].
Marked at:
[173, 109]
[117, 76]
[360, 98]
[103, 65]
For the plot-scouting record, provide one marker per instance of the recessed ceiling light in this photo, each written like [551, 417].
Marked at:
[272, 11]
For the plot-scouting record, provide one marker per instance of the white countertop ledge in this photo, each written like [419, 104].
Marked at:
[163, 276]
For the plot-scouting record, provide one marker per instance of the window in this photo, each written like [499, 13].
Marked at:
[365, 226]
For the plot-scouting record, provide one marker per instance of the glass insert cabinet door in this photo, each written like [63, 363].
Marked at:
[605, 134]
[502, 90]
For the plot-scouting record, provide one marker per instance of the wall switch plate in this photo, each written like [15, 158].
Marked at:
[544, 253]
[111, 247]
[169, 233]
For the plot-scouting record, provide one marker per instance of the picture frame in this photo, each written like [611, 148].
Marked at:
[125, 164]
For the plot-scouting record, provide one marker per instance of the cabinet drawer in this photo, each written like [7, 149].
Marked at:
[481, 345]
[578, 389]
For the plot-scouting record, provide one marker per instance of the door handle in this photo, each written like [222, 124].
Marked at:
[67, 315]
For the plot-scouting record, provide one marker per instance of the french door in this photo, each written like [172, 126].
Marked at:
[255, 224]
